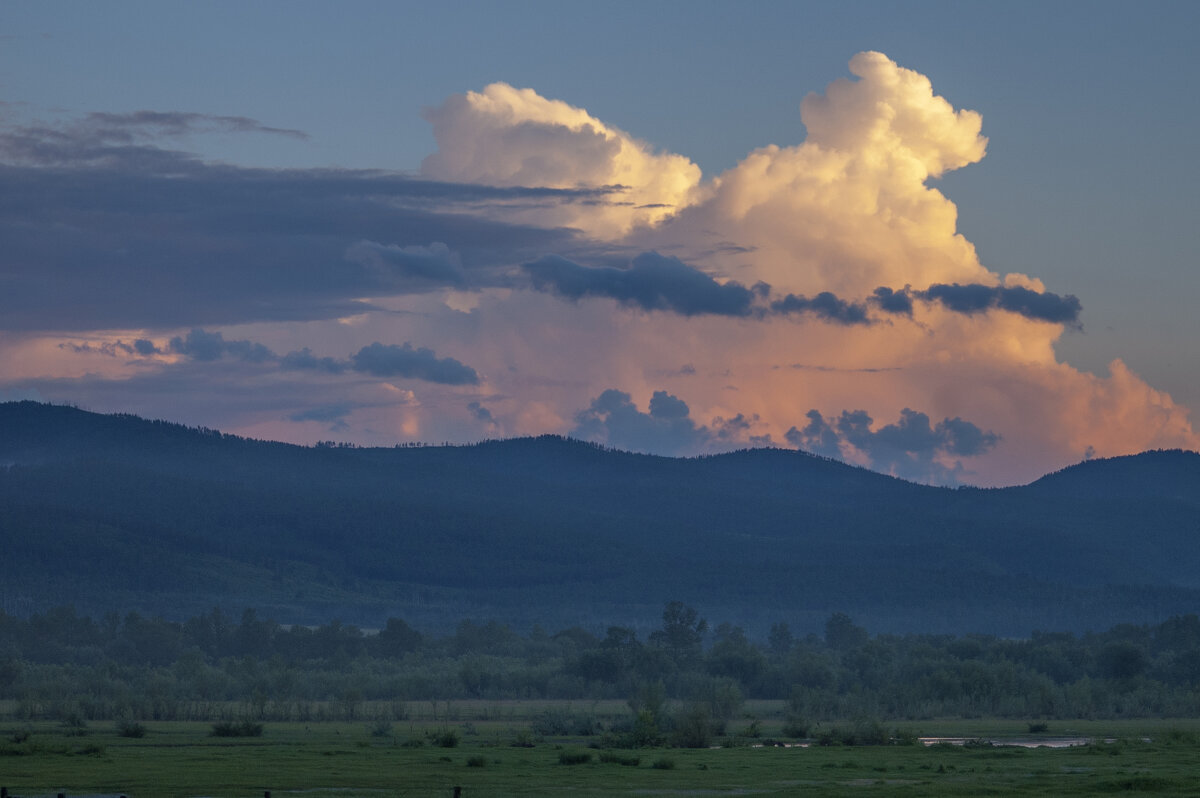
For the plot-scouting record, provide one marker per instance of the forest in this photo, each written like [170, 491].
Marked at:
[112, 513]
[684, 681]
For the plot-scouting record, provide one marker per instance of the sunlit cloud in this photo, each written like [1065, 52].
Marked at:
[549, 272]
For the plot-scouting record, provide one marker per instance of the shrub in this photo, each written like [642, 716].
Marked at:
[382, 729]
[1037, 727]
[130, 728]
[795, 726]
[522, 739]
[74, 725]
[245, 728]
[413, 742]
[563, 724]
[693, 729]
[446, 738]
[477, 762]
[613, 758]
[663, 764]
[574, 757]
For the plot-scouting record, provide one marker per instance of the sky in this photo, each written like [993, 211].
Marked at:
[954, 242]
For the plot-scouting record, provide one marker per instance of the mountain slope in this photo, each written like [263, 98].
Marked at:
[116, 512]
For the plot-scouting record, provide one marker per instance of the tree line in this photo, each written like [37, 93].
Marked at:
[62, 664]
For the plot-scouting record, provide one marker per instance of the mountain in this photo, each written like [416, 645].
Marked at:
[117, 513]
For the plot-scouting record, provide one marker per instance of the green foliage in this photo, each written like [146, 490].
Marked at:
[382, 728]
[574, 757]
[795, 725]
[663, 763]
[613, 758]
[444, 738]
[130, 728]
[244, 728]
[477, 761]
[693, 728]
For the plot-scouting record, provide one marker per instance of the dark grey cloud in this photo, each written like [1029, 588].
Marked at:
[103, 229]
[389, 360]
[613, 419]
[330, 413]
[433, 265]
[156, 124]
[305, 360]
[977, 298]
[481, 413]
[899, 302]
[140, 347]
[376, 359]
[205, 346]
[650, 282]
[907, 448]
[824, 305]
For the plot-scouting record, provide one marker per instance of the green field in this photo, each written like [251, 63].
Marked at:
[177, 759]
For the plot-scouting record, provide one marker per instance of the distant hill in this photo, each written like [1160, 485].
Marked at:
[115, 513]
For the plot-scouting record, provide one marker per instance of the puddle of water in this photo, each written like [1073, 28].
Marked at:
[1014, 742]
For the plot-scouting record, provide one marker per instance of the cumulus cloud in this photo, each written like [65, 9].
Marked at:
[432, 265]
[376, 359]
[204, 345]
[305, 360]
[504, 136]
[389, 360]
[575, 267]
[911, 448]
[824, 305]
[650, 282]
[975, 298]
[667, 428]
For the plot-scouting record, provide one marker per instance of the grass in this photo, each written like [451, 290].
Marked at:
[344, 759]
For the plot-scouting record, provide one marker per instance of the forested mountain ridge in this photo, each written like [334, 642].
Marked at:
[116, 512]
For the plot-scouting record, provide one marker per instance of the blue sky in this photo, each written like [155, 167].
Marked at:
[1090, 112]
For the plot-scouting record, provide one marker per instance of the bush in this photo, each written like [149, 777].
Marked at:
[522, 739]
[1037, 727]
[663, 764]
[693, 729]
[477, 762]
[245, 728]
[74, 725]
[613, 758]
[382, 729]
[446, 738]
[574, 757]
[413, 742]
[563, 724]
[130, 728]
[795, 726]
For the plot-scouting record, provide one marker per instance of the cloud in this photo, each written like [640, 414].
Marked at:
[481, 413]
[651, 282]
[376, 359]
[389, 360]
[975, 298]
[205, 346]
[613, 419]
[910, 448]
[825, 306]
[504, 136]
[563, 264]
[433, 265]
[333, 413]
[305, 360]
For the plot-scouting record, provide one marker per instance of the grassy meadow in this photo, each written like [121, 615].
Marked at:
[496, 753]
